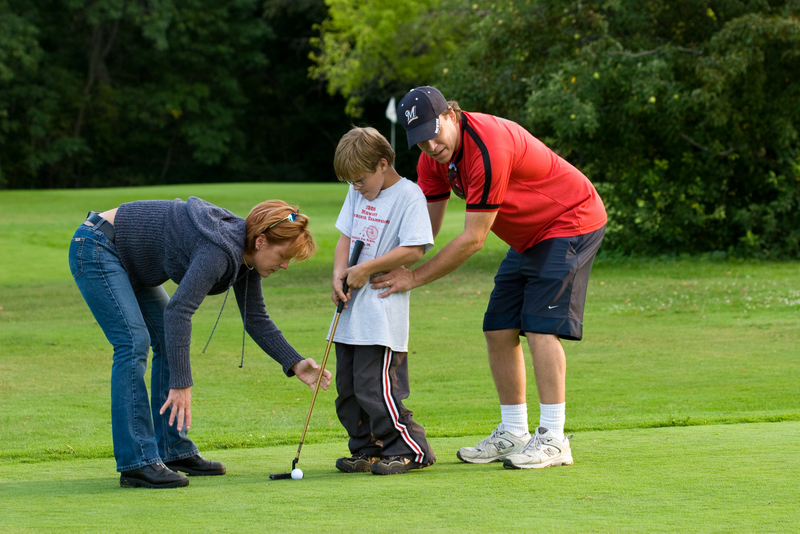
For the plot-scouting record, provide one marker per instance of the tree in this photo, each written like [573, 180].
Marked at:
[128, 92]
[684, 113]
[370, 50]
[293, 125]
[691, 129]
[20, 57]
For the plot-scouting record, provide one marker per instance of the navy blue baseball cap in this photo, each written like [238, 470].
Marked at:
[419, 112]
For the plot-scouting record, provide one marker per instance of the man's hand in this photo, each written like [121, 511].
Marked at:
[308, 371]
[181, 401]
[395, 281]
[476, 227]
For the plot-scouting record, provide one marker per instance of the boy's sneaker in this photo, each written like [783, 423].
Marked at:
[543, 450]
[395, 465]
[358, 463]
[496, 447]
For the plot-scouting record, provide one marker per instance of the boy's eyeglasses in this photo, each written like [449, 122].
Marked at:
[357, 183]
[292, 217]
[455, 181]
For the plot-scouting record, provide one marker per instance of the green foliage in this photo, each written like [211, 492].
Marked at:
[19, 50]
[292, 124]
[147, 78]
[693, 131]
[373, 49]
[511, 43]
[685, 114]
[130, 93]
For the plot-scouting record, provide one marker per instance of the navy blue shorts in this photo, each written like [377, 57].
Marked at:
[543, 290]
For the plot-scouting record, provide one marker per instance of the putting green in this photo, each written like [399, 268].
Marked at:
[724, 478]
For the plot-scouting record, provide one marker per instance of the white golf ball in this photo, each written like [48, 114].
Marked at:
[297, 474]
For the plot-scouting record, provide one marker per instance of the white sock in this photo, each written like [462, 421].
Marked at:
[515, 418]
[552, 417]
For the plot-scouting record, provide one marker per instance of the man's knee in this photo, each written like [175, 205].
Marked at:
[545, 347]
[542, 339]
[502, 336]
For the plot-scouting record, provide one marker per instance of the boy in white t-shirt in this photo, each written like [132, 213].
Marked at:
[389, 214]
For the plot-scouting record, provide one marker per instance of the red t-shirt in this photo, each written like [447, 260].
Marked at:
[501, 167]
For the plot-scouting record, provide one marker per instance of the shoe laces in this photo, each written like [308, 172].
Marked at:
[483, 443]
[534, 444]
[400, 459]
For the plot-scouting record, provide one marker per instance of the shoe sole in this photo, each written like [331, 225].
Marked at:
[126, 482]
[347, 470]
[508, 464]
[365, 466]
[480, 460]
[399, 471]
[196, 473]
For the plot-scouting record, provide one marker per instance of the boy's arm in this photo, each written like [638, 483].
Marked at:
[358, 275]
[340, 258]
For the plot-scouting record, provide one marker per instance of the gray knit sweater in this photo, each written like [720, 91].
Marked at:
[198, 246]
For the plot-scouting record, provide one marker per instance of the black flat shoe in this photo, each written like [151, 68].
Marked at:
[152, 476]
[197, 466]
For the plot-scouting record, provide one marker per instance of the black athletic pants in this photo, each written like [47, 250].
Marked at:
[372, 381]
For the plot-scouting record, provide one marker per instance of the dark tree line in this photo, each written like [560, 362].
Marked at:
[684, 113]
[132, 92]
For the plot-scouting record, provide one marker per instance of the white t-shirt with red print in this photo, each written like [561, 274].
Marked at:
[397, 217]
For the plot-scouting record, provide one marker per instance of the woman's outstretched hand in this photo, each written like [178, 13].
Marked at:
[308, 371]
[181, 401]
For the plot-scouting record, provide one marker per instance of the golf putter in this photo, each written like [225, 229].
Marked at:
[353, 260]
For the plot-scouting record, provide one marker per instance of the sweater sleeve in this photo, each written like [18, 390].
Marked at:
[203, 273]
[259, 325]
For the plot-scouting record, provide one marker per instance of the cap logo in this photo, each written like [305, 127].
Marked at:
[411, 115]
[437, 126]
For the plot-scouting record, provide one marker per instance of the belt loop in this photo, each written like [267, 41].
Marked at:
[103, 225]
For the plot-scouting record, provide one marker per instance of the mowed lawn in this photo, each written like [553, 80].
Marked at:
[683, 397]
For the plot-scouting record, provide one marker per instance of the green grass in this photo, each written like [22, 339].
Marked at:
[623, 481]
[682, 397]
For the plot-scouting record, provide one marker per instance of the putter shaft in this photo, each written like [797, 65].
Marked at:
[353, 260]
[316, 387]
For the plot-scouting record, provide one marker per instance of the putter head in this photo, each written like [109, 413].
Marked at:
[280, 476]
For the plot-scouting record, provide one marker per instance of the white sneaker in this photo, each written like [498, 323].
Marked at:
[496, 447]
[543, 450]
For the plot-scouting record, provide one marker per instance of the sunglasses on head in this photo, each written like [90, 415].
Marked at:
[455, 181]
[292, 217]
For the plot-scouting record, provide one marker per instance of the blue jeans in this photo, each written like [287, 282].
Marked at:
[132, 321]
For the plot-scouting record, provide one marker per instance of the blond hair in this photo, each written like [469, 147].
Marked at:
[269, 212]
[359, 152]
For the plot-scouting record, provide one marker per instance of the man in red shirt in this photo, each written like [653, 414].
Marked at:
[551, 216]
